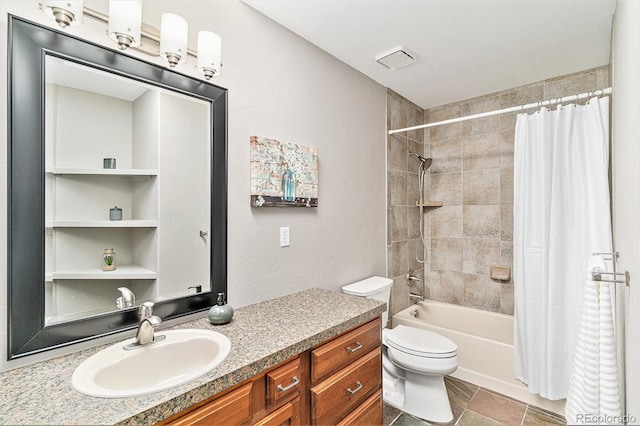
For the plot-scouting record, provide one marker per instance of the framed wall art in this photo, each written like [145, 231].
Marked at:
[283, 174]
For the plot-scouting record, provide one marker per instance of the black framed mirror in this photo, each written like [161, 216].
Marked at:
[37, 238]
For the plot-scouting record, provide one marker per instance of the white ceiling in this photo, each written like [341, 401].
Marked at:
[465, 48]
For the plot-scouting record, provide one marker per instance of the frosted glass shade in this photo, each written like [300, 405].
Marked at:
[125, 21]
[173, 38]
[209, 53]
[65, 13]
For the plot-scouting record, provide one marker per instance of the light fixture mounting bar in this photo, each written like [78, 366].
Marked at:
[150, 36]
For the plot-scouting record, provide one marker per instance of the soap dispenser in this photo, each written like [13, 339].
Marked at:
[221, 313]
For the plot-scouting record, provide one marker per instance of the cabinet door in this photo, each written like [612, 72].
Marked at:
[231, 409]
[287, 415]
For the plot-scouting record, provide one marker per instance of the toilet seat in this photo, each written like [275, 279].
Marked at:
[420, 343]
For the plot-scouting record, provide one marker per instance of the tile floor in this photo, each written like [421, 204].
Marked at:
[476, 406]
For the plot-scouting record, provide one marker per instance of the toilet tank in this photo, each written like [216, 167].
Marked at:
[378, 288]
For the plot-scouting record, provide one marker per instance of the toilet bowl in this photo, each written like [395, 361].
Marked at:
[414, 361]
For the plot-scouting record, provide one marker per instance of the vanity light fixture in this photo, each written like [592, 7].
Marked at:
[125, 27]
[65, 13]
[173, 38]
[125, 22]
[209, 53]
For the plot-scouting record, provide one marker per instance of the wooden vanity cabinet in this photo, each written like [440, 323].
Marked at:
[337, 382]
[347, 378]
[269, 398]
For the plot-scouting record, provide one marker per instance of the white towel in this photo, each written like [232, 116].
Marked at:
[593, 396]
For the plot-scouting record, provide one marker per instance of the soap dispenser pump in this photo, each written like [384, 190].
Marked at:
[221, 313]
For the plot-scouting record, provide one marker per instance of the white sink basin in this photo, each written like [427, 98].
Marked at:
[183, 356]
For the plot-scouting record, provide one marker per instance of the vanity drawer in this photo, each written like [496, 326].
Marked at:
[232, 409]
[345, 349]
[368, 413]
[345, 390]
[283, 382]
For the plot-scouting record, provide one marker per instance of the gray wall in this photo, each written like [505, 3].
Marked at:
[282, 87]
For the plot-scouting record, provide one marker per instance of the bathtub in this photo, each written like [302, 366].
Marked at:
[485, 346]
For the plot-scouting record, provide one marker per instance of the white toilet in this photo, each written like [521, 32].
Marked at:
[414, 361]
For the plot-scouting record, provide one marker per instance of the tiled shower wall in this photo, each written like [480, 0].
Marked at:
[472, 174]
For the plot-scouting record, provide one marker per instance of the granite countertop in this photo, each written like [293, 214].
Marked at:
[262, 335]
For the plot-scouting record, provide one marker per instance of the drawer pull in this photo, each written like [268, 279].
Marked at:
[294, 382]
[352, 391]
[358, 346]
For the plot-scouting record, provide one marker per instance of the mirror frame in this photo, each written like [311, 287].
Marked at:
[29, 43]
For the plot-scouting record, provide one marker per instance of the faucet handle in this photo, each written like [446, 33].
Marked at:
[146, 310]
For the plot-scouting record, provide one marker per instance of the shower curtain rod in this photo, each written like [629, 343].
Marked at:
[538, 104]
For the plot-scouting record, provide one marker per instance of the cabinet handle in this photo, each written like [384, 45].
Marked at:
[352, 391]
[294, 382]
[355, 348]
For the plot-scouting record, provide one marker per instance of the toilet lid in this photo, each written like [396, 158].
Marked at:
[419, 342]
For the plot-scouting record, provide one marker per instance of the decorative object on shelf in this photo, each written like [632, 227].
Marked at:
[125, 27]
[115, 213]
[283, 174]
[220, 313]
[109, 260]
[109, 163]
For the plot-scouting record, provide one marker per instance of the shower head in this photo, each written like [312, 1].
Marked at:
[426, 162]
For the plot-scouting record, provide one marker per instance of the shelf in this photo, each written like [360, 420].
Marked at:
[430, 204]
[102, 172]
[103, 224]
[123, 272]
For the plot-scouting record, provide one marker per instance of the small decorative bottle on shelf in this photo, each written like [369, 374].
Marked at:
[115, 213]
[109, 260]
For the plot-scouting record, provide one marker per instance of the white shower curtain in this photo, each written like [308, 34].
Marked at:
[561, 217]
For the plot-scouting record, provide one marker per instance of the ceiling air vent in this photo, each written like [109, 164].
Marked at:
[397, 58]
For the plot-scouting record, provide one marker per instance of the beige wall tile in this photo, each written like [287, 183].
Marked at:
[445, 132]
[397, 254]
[446, 286]
[397, 152]
[478, 255]
[481, 187]
[396, 188]
[506, 185]
[481, 292]
[481, 221]
[507, 138]
[447, 156]
[573, 85]
[446, 187]
[481, 151]
[446, 222]
[446, 254]
[506, 298]
[397, 218]
[506, 253]
[399, 298]
[397, 110]
[522, 95]
[506, 222]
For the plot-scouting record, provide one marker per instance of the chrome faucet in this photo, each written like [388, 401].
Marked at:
[148, 322]
[127, 300]
[411, 279]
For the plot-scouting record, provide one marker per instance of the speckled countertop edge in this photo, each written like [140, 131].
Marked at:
[262, 335]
